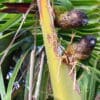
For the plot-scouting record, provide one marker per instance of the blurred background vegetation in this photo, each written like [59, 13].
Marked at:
[14, 73]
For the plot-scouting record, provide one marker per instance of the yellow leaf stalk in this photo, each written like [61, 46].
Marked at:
[62, 83]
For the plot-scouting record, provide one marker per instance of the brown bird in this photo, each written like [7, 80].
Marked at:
[78, 51]
[71, 19]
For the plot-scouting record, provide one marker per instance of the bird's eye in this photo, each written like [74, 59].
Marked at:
[84, 22]
[92, 42]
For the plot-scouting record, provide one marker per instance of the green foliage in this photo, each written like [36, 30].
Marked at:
[89, 82]
[2, 87]
[9, 23]
[14, 74]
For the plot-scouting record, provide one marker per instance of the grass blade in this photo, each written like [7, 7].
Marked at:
[11, 81]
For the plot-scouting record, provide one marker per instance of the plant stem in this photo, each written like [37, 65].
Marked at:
[61, 83]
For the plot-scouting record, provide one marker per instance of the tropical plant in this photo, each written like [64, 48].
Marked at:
[27, 71]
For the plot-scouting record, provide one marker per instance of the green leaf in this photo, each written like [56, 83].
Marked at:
[11, 22]
[2, 87]
[15, 72]
[44, 83]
